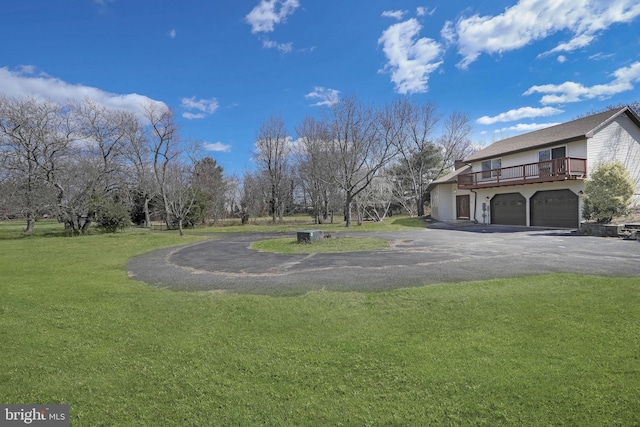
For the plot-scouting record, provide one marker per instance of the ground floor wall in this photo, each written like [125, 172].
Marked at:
[480, 200]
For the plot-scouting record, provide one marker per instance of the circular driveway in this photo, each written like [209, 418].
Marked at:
[414, 258]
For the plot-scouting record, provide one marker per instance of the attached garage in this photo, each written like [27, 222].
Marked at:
[555, 208]
[509, 209]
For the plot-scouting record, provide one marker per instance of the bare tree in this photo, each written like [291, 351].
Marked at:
[272, 156]
[35, 137]
[137, 153]
[313, 168]
[179, 192]
[162, 136]
[93, 172]
[409, 127]
[455, 141]
[358, 149]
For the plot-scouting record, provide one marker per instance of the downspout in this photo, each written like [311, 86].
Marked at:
[475, 204]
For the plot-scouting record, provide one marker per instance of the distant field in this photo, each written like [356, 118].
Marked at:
[74, 329]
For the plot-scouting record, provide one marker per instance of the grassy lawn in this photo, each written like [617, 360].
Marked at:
[74, 329]
[297, 223]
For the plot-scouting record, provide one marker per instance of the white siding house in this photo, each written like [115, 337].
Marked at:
[537, 179]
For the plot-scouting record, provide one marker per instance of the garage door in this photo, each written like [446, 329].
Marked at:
[556, 208]
[509, 209]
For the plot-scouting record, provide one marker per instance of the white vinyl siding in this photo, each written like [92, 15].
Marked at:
[620, 141]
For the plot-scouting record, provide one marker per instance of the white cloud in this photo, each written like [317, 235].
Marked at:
[395, 14]
[216, 146]
[448, 33]
[409, 59]
[282, 47]
[601, 56]
[172, 33]
[518, 114]
[532, 20]
[203, 107]
[325, 96]
[268, 13]
[562, 59]
[526, 127]
[573, 92]
[422, 11]
[25, 82]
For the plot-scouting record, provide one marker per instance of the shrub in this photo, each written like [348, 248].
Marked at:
[111, 216]
[609, 193]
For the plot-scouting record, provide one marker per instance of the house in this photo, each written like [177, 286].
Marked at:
[538, 178]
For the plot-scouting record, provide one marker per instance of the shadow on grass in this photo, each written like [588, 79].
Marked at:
[410, 222]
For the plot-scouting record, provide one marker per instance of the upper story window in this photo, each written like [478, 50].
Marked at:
[547, 166]
[490, 168]
[553, 153]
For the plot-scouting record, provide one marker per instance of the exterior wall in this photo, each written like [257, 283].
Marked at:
[443, 202]
[620, 141]
[576, 149]
[486, 194]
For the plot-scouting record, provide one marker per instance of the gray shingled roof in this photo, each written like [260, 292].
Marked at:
[449, 178]
[574, 130]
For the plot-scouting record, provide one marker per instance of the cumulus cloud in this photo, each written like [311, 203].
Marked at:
[27, 82]
[410, 59]
[573, 92]
[268, 13]
[325, 96]
[198, 108]
[395, 14]
[532, 20]
[216, 146]
[519, 114]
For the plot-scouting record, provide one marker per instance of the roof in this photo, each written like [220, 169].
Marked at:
[574, 130]
[449, 178]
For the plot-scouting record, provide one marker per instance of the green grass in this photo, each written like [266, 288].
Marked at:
[337, 244]
[292, 224]
[545, 350]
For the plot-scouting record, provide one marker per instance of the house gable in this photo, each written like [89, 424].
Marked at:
[564, 133]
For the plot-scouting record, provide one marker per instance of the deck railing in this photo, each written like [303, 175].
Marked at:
[549, 170]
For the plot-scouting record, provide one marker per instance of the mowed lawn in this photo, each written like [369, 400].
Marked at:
[75, 329]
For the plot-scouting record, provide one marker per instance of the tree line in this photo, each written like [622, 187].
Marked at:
[85, 164]
[357, 158]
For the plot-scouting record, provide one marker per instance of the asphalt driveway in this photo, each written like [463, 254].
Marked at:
[415, 258]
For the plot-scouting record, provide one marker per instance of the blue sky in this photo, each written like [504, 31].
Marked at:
[226, 66]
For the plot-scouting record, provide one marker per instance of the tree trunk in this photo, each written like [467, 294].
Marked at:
[147, 215]
[31, 222]
[180, 227]
[420, 205]
[347, 209]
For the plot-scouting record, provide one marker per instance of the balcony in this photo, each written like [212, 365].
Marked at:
[547, 171]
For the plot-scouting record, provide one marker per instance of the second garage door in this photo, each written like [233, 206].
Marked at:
[509, 209]
[554, 208]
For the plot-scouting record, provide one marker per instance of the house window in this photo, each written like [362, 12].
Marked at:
[547, 165]
[555, 153]
[490, 168]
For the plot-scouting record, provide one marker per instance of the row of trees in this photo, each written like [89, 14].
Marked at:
[85, 164]
[357, 156]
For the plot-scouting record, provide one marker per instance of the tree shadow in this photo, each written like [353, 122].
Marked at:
[416, 222]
